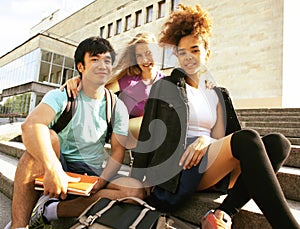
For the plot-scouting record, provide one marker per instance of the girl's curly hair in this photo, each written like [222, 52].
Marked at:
[187, 20]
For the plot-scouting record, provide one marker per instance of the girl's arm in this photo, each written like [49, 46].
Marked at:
[218, 131]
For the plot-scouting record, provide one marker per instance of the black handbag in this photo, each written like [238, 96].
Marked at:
[119, 214]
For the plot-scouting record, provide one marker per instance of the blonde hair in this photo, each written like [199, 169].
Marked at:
[187, 20]
[127, 64]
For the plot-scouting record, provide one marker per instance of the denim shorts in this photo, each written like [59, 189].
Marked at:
[79, 167]
[188, 184]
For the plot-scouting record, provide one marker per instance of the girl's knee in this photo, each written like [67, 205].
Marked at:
[247, 134]
[278, 148]
[246, 140]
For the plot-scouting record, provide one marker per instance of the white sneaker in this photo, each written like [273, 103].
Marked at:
[38, 220]
[8, 226]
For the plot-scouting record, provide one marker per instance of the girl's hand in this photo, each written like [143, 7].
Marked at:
[194, 152]
[99, 185]
[209, 84]
[73, 86]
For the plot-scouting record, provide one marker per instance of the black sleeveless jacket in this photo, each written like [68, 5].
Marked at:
[163, 133]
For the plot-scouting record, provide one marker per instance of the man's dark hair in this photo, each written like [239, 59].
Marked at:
[94, 46]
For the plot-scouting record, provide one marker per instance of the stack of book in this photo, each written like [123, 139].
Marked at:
[83, 187]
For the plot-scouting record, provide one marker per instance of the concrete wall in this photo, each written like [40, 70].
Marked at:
[246, 48]
[247, 42]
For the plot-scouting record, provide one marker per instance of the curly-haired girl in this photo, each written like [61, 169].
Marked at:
[242, 161]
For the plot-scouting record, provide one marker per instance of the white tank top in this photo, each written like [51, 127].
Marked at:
[202, 109]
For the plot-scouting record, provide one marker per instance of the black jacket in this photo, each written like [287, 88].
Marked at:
[163, 133]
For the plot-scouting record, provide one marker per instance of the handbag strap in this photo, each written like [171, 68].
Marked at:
[91, 218]
[137, 200]
[139, 218]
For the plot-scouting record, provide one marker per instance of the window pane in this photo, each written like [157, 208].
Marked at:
[149, 14]
[128, 22]
[58, 59]
[44, 71]
[102, 31]
[175, 4]
[138, 18]
[119, 26]
[110, 32]
[161, 9]
[55, 74]
[169, 59]
[46, 56]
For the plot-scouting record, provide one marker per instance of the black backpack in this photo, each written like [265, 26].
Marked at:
[68, 113]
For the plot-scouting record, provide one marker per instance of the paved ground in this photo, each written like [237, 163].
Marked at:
[7, 130]
[5, 209]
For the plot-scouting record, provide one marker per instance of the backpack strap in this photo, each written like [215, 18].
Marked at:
[66, 116]
[110, 104]
[68, 113]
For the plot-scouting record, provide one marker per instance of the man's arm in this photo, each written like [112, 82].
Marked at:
[36, 138]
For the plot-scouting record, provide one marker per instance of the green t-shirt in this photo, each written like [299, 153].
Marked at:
[83, 138]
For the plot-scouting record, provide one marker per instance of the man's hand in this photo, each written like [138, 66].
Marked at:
[56, 182]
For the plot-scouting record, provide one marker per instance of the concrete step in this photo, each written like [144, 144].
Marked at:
[202, 202]
[294, 141]
[250, 217]
[294, 158]
[11, 151]
[276, 111]
[268, 118]
[266, 124]
[291, 134]
[288, 132]
[8, 167]
[15, 149]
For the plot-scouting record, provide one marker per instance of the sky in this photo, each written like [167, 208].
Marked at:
[18, 16]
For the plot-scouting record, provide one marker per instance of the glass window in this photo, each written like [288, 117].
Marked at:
[161, 9]
[127, 22]
[149, 14]
[174, 5]
[44, 72]
[58, 59]
[119, 26]
[169, 59]
[46, 56]
[110, 30]
[55, 74]
[138, 18]
[102, 29]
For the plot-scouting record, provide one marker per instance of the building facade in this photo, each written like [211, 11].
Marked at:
[246, 48]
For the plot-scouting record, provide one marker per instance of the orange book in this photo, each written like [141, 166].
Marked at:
[83, 187]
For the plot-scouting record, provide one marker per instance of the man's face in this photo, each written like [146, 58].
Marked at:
[96, 69]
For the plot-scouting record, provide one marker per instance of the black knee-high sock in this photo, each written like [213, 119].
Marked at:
[278, 148]
[259, 158]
